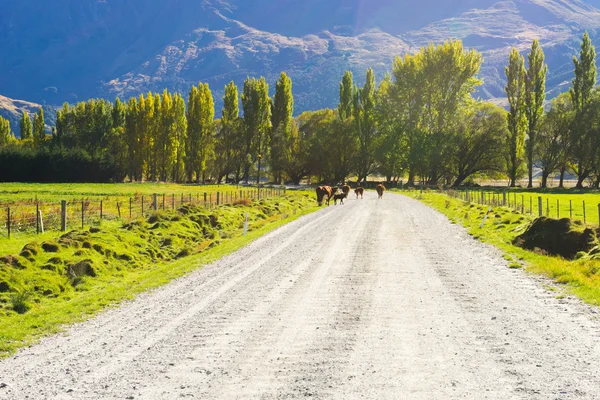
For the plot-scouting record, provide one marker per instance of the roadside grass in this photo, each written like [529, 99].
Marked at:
[556, 203]
[53, 283]
[580, 277]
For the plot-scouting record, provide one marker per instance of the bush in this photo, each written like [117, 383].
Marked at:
[19, 302]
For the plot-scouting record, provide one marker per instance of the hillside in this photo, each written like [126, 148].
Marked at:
[76, 49]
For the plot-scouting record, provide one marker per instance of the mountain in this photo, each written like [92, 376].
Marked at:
[69, 50]
[12, 110]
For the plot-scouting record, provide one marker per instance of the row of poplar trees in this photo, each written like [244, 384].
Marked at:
[421, 123]
[563, 137]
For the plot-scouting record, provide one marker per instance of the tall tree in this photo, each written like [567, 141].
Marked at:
[132, 138]
[478, 141]
[553, 143]
[584, 144]
[39, 128]
[257, 122]
[179, 137]
[26, 127]
[517, 119]
[200, 116]
[281, 132]
[6, 134]
[535, 96]
[228, 147]
[366, 127]
[346, 96]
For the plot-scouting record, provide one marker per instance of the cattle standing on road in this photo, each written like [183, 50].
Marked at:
[346, 190]
[322, 192]
[359, 192]
[340, 197]
[380, 190]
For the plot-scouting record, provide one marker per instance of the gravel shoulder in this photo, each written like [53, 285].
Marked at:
[380, 299]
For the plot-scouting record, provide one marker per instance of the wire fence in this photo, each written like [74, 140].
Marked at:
[538, 205]
[38, 217]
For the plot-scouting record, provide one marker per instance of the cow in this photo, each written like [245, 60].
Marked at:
[359, 192]
[346, 190]
[339, 196]
[380, 189]
[322, 192]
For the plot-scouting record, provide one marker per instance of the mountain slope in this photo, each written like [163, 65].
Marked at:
[76, 49]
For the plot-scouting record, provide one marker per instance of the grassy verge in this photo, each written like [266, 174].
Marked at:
[579, 277]
[53, 283]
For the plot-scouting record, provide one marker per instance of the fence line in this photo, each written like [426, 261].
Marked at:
[533, 204]
[40, 217]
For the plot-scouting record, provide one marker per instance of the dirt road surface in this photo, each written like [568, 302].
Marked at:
[375, 299]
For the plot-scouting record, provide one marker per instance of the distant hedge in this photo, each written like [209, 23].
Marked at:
[59, 165]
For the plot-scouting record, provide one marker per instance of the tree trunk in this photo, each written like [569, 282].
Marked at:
[562, 177]
[545, 178]
[530, 172]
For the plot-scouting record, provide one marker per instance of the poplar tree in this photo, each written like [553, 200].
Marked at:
[257, 122]
[39, 128]
[200, 116]
[281, 120]
[5, 132]
[584, 144]
[26, 127]
[346, 96]
[365, 123]
[517, 119]
[535, 95]
[178, 137]
[228, 147]
[133, 140]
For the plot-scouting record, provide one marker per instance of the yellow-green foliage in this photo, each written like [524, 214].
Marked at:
[52, 282]
[581, 276]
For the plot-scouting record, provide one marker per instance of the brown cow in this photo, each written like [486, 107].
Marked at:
[359, 192]
[380, 189]
[323, 191]
[346, 190]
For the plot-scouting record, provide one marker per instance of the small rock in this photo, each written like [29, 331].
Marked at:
[3, 385]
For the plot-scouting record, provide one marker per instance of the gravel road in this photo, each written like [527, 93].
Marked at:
[375, 299]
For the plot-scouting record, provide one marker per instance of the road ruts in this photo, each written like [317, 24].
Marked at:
[375, 299]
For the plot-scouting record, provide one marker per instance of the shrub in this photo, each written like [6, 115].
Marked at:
[20, 302]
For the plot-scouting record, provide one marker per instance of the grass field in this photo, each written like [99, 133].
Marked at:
[58, 279]
[29, 192]
[89, 204]
[556, 203]
[580, 277]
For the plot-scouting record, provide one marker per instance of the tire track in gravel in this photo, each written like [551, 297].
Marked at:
[373, 299]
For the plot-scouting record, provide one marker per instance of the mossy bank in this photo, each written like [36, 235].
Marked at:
[55, 282]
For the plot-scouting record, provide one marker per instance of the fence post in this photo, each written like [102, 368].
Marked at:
[8, 220]
[548, 208]
[37, 218]
[504, 198]
[155, 201]
[570, 209]
[599, 214]
[119, 209]
[540, 207]
[142, 206]
[557, 209]
[218, 197]
[182, 199]
[41, 221]
[63, 215]
[173, 201]
[584, 217]
[530, 205]
[204, 199]
[130, 207]
[163, 206]
[101, 210]
[522, 204]
[190, 198]
[82, 214]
